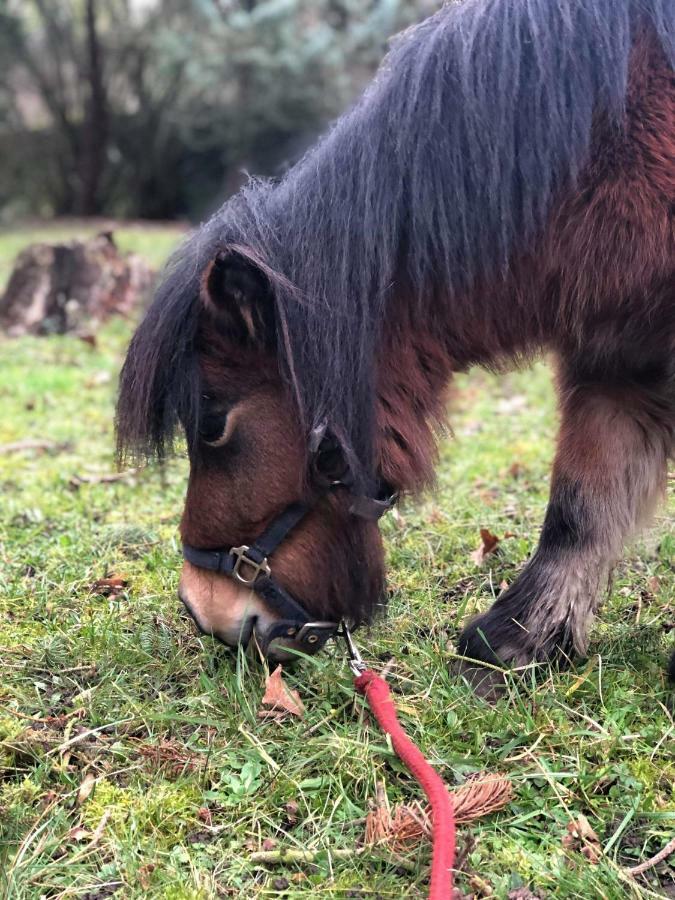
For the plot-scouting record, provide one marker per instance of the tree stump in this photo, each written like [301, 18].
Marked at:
[57, 288]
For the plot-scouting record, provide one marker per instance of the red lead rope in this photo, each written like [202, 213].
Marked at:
[376, 691]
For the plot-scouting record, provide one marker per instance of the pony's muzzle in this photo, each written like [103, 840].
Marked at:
[226, 609]
[222, 607]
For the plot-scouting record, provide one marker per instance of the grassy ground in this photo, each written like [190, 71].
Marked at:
[188, 782]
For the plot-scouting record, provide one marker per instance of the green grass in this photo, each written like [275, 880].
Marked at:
[124, 676]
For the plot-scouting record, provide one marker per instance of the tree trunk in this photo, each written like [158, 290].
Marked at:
[95, 137]
[56, 288]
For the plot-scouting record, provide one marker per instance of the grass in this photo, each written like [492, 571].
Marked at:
[165, 721]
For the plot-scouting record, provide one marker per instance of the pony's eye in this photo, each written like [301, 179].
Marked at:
[213, 427]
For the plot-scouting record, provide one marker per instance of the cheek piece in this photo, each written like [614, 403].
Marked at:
[249, 564]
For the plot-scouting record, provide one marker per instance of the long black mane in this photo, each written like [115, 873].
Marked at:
[449, 163]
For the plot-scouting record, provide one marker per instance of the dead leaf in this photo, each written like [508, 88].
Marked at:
[88, 337]
[204, 815]
[581, 837]
[144, 874]
[653, 584]
[279, 699]
[79, 834]
[488, 544]
[86, 787]
[292, 811]
[110, 587]
[269, 844]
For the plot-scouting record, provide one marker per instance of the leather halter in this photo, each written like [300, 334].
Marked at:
[249, 565]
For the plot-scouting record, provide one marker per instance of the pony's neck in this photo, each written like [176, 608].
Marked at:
[413, 375]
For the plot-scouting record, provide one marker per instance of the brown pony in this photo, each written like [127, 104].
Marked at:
[506, 186]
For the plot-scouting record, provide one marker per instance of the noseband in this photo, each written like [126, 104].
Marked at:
[249, 566]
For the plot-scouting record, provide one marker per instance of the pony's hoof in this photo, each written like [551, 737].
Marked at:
[487, 683]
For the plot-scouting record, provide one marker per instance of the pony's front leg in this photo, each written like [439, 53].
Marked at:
[616, 435]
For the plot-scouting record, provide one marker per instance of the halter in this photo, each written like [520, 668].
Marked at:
[249, 564]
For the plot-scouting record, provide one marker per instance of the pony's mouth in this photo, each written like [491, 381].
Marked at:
[238, 626]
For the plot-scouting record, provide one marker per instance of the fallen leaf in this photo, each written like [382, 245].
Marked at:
[292, 811]
[204, 815]
[279, 699]
[653, 584]
[488, 544]
[110, 587]
[79, 834]
[88, 338]
[144, 874]
[269, 844]
[86, 787]
[581, 837]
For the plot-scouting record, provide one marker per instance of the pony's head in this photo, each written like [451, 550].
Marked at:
[207, 357]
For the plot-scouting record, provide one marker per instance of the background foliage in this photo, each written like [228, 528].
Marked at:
[153, 108]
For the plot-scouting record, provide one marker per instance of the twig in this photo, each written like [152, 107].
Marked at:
[655, 860]
[289, 855]
[107, 478]
[32, 444]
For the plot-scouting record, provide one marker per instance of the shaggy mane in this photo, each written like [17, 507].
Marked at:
[448, 165]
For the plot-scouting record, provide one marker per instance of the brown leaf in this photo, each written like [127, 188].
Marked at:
[79, 834]
[86, 787]
[89, 338]
[144, 874]
[292, 811]
[110, 587]
[581, 837]
[488, 544]
[269, 844]
[279, 699]
[204, 815]
[653, 584]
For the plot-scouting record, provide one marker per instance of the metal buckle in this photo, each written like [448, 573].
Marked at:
[243, 559]
[311, 627]
[356, 662]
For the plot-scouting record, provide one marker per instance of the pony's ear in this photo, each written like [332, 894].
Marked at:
[237, 293]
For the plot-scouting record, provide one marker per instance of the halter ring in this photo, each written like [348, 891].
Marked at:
[258, 566]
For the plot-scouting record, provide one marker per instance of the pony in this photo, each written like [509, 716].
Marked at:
[504, 188]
